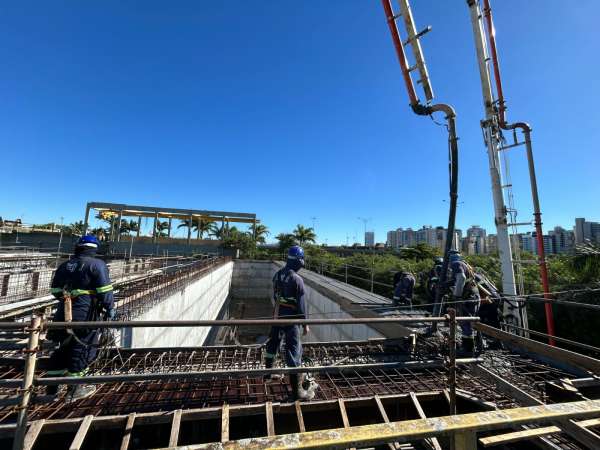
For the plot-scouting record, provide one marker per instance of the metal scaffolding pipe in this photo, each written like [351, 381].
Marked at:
[231, 322]
[227, 374]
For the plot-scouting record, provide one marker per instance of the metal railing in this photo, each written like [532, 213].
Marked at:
[348, 272]
[39, 324]
[31, 278]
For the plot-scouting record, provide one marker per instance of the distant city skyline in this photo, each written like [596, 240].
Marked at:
[478, 241]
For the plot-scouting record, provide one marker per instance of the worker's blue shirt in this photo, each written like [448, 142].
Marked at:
[404, 287]
[86, 279]
[463, 281]
[288, 290]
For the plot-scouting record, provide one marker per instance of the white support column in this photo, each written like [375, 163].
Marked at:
[491, 134]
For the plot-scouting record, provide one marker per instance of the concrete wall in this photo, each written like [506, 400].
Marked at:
[322, 307]
[200, 300]
[253, 279]
[252, 284]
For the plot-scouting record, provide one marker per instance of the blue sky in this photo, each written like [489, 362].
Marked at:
[286, 109]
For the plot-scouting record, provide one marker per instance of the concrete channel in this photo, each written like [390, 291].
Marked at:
[242, 289]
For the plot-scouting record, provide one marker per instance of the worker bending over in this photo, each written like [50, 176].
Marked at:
[466, 293]
[288, 294]
[85, 280]
[404, 284]
[433, 277]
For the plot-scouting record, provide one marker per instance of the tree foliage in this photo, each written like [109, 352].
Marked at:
[304, 235]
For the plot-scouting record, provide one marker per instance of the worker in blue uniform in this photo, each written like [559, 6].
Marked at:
[288, 294]
[404, 285]
[466, 293]
[85, 280]
[433, 277]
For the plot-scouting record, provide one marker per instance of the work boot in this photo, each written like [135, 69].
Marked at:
[307, 387]
[53, 390]
[79, 391]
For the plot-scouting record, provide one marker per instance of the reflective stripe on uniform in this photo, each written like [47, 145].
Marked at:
[57, 373]
[78, 374]
[78, 292]
[103, 289]
[56, 290]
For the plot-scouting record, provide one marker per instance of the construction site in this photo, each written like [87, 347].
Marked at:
[182, 364]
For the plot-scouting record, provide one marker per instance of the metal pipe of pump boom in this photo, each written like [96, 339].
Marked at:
[526, 129]
[391, 21]
[426, 110]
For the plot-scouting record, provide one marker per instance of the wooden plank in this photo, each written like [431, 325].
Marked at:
[34, 431]
[174, 437]
[386, 419]
[579, 433]
[127, 432]
[81, 432]
[344, 415]
[575, 359]
[299, 416]
[504, 386]
[343, 412]
[225, 423]
[515, 436]
[270, 419]
[507, 438]
[432, 443]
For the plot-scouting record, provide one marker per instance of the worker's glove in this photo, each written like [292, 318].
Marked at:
[111, 314]
[305, 330]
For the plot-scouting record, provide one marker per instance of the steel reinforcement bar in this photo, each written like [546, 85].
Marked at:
[227, 323]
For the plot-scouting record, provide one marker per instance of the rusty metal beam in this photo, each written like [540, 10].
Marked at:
[367, 435]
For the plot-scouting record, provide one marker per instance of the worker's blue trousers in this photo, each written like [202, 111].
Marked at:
[293, 344]
[75, 354]
[469, 308]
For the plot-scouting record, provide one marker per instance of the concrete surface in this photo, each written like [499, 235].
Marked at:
[202, 299]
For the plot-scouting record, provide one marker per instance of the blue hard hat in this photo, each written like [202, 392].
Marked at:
[296, 252]
[455, 256]
[89, 241]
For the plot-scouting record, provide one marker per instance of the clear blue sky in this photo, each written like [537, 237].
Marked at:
[287, 109]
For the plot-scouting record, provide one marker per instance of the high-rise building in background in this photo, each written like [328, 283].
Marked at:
[369, 239]
[586, 231]
[491, 243]
[478, 242]
[562, 240]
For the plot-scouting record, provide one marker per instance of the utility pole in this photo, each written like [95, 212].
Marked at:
[314, 220]
[59, 241]
[364, 221]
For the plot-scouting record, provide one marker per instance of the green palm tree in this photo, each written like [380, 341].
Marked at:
[259, 232]
[286, 240]
[75, 228]
[305, 235]
[162, 228]
[203, 226]
[220, 232]
[200, 226]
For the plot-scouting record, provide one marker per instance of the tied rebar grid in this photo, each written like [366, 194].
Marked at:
[138, 296]
[524, 372]
[117, 398]
[28, 278]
